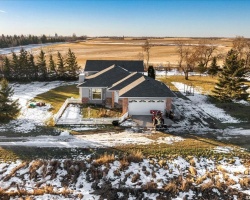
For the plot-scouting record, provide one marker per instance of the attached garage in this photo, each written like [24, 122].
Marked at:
[143, 107]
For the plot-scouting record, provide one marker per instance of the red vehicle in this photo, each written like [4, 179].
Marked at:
[157, 117]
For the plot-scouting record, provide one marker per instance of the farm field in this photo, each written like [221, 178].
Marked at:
[162, 52]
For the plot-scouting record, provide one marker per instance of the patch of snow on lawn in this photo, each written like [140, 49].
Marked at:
[29, 118]
[246, 103]
[71, 113]
[223, 149]
[65, 140]
[200, 101]
[237, 131]
[65, 133]
[170, 139]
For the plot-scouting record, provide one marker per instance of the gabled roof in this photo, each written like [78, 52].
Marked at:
[106, 78]
[126, 81]
[99, 65]
[146, 87]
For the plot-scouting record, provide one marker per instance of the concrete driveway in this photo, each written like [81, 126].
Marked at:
[146, 120]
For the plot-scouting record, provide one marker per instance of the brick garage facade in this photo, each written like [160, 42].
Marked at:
[168, 104]
[113, 100]
[125, 105]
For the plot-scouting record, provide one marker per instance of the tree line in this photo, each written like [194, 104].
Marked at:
[12, 41]
[24, 67]
[17, 40]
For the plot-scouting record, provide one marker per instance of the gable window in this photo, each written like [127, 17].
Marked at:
[97, 94]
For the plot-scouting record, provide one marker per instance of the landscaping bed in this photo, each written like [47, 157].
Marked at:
[97, 111]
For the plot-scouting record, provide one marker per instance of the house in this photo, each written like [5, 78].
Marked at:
[94, 66]
[135, 93]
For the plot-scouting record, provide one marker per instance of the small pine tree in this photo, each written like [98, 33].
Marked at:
[41, 64]
[6, 68]
[231, 80]
[151, 72]
[9, 109]
[201, 68]
[52, 73]
[213, 68]
[24, 72]
[71, 65]
[15, 66]
[32, 68]
[60, 66]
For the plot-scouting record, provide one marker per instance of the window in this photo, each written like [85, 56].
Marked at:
[97, 94]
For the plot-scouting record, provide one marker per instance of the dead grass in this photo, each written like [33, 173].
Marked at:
[206, 186]
[106, 158]
[96, 111]
[135, 156]
[171, 188]
[124, 163]
[13, 171]
[244, 182]
[206, 83]
[192, 170]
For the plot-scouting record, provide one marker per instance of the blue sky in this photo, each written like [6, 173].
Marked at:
[172, 18]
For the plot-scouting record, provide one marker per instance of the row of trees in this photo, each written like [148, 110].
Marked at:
[12, 41]
[24, 67]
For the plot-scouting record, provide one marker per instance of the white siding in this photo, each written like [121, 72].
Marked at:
[138, 107]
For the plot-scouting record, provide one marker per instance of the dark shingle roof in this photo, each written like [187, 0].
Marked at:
[99, 65]
[126, 81]
[106, 78]
[148, 88]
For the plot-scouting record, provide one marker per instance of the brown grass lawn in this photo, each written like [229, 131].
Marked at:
[207, 83]
[162, 52]
[57, 96]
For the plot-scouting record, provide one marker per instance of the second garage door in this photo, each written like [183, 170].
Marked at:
[143, 107]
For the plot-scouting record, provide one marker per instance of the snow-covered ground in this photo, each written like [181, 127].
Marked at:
[31, 117]
[178, 177]
[65, 140]
[197, 113]
[25, 47]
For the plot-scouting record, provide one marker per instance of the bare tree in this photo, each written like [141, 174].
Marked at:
[242, 46]
[187, 58]
[204, 52]
[146, 48]
[140, 56]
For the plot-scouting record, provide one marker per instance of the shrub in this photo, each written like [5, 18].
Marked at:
[135, 156]
[105, 159]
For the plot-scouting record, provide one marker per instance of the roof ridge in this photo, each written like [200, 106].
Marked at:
[132, 74]
[131, 85]
[101, 72]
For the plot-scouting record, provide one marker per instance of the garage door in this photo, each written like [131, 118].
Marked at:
[141, 107]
